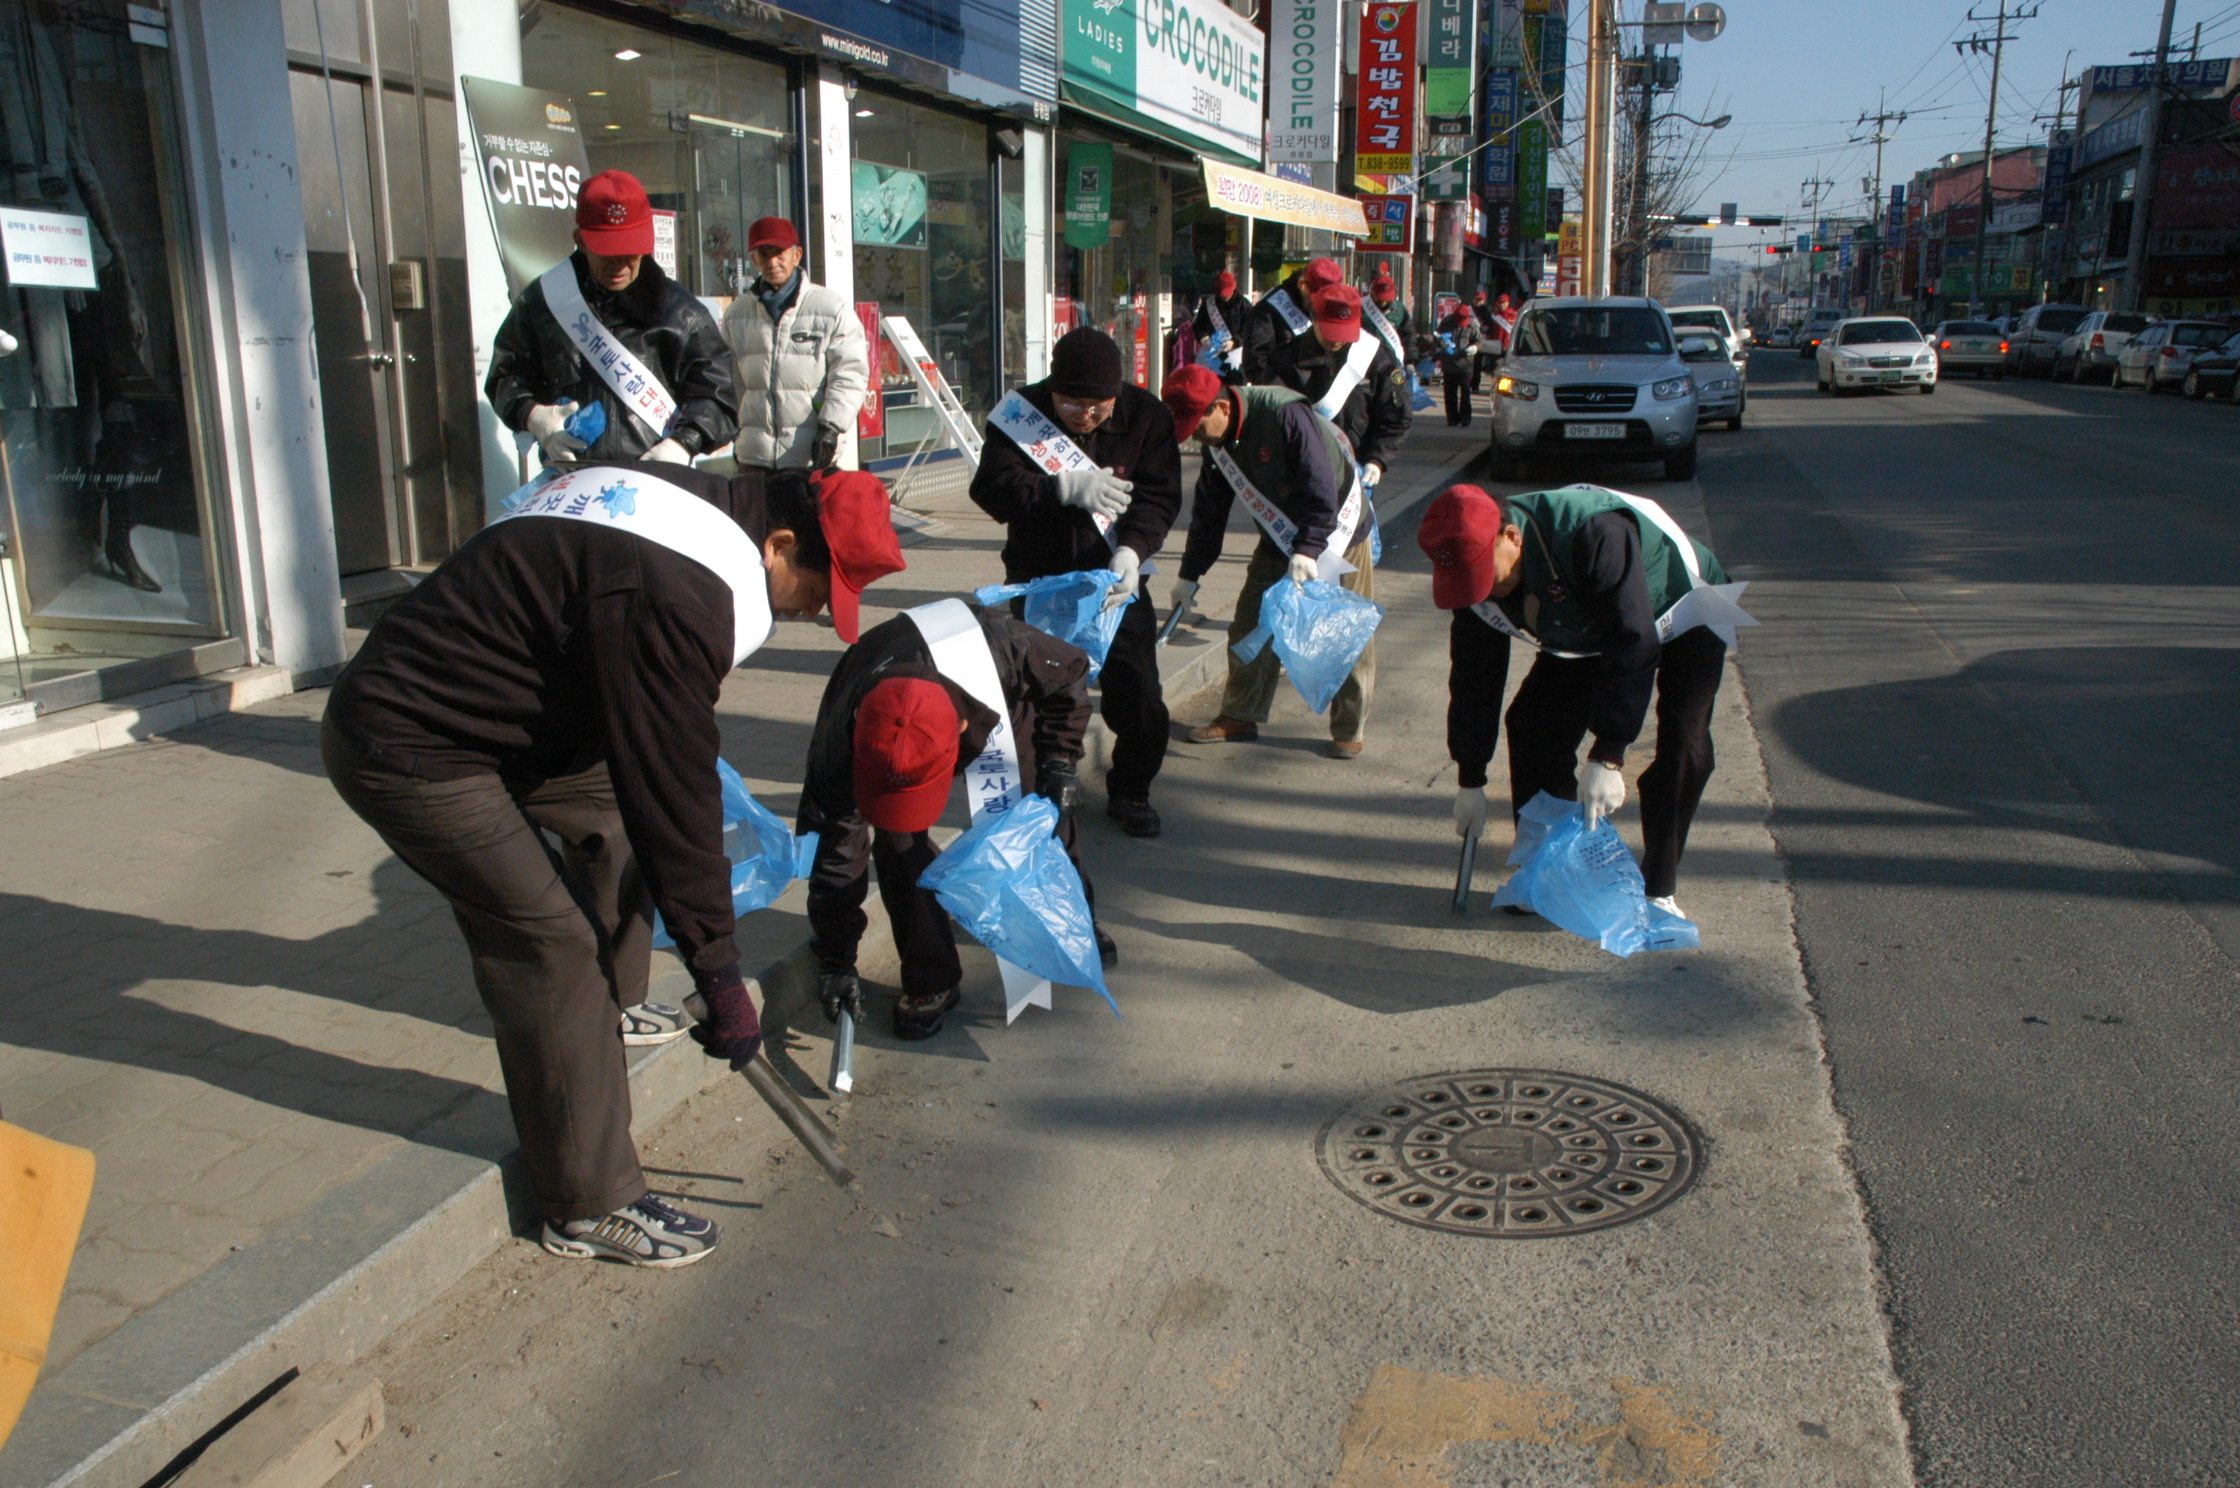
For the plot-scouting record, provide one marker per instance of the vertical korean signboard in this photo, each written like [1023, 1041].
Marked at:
[1303, 42]
[1452, 33]
[1497, 162]
[1385, 103]
[1532, 183]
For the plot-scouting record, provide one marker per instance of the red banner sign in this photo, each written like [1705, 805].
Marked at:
[871, 418]
[1391, 224]
[1385, 101]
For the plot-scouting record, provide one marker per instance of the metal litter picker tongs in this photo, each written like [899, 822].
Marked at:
[820, 1141]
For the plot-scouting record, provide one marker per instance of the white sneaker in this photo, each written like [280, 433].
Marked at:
[1668, 906]
[652, 1023]
[647, 1233]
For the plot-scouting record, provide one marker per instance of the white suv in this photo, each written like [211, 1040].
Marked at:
[1710, 318]
[1594, 378]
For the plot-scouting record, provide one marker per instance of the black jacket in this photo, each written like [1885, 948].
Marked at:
[1295, 458]
[1605, 565]
[1045, 680]
[1236, 313]
[1375, 416]
[544, 646]
[1048, 537]
[1460, 327]
[533, 362]
[1266, 329]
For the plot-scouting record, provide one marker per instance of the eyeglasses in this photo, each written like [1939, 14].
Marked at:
[1086, 407]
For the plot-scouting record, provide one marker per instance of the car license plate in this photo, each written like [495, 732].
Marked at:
[1594, 431]
[1893, 377]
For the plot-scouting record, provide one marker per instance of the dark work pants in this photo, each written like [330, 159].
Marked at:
[1458, 394]
[1548, 720]
[1134, 705]
[924, 939]
[560, 942]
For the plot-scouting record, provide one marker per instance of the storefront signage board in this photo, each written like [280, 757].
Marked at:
[997, 52]
[890, 206]
[51, 250]
[1250, 194]
[531, 154]
[1384, 103]
[1192, 68]
[1088, 195]
[1303, 37]
[1498, 161]
[1532, 181]
[1391, 223]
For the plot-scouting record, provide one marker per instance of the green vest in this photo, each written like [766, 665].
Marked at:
[1259, 450]
[1547, 603]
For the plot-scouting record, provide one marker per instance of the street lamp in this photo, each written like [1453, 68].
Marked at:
[1719, 123]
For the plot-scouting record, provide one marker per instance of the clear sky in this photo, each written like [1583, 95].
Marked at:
[1797, 74]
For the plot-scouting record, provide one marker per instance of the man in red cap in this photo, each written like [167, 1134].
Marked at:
[804, 367]
[606, 326]
[1489, 344]
[1112, 510]
[1311, 509]
[1385, 295]
[1352, 378]
[893, 732]
[1584, 574]
[559, 673]
[1224, 313]
[1457, 338]
[1284, 312]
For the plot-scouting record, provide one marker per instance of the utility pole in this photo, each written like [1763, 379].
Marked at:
[1644, 126]
[1996, 44]
[1882, 119]
[1810, 191]
[2150, 152]
[1595, 216]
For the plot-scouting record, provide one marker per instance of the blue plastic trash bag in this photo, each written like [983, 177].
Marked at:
[1319, 632]
[587, 423]
[1069, 606]
[1009, 882]
[537, 482]
[1418, 399]
[765, 856]
[1587, 883]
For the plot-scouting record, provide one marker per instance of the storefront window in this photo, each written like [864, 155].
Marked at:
[706, 130]
[1114, 285]
[108, 551]
[920, 193]
[1014, 273]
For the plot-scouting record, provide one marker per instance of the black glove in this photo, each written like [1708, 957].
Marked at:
[842, 993]
[1055, 781]
[826, 449]
[731, 1030]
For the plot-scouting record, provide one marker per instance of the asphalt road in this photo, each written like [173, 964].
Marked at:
[1996, 692]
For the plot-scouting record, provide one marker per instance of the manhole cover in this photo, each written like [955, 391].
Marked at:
[1511, 1153]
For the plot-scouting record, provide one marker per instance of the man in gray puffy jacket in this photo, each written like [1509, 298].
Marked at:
[801, 362]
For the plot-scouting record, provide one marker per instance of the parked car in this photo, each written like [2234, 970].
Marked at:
[2094, 345]
[1711, 318]
[1597, 378]
[1817, 321]
[2158, 356]
[1782, 336]
[1970, 346]
[1878, 351]
[2215, 372]
[1720, 392]
[2037, 335]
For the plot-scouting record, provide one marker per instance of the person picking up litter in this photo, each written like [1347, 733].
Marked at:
[1583, 574]
[1290, 466]
[1222, 317]
[1352, 377]
[1284, 312]
[943, 690]
[559, 673]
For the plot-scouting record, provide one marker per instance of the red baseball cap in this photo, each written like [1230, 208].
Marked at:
[905, 753]
[1225, 284]
[613, 216]
[1188, 394]
[1481, 297]
[772, 232]
[1381, 288]
[1458, 534]
[853, 510]
[1337, 313]
[1320, 275]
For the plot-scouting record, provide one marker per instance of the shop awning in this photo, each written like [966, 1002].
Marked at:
[1112, 110]
[1249, 193]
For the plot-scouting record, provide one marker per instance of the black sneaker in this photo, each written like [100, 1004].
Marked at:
[651, 1232]
[1134, 814]
[1108, 949]
[920, 1017]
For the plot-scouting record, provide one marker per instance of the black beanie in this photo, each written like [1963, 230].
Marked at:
[1085, 364]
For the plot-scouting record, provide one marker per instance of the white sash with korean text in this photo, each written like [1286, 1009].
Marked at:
[1043, 442]
[633, 382]
[1225, 342]
[992, 782]
[648, 507]
[1384, 330]
[1358, 358]
[1281, 530]
[1293, 313]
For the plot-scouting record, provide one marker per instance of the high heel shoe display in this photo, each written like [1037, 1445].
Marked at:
[124, 564]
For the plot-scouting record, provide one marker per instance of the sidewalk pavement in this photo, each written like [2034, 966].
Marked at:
[264, 1027]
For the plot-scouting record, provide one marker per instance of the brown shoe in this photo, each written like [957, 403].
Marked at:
[1345, 749]
[1226, 730]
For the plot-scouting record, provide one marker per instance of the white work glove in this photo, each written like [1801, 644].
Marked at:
[1469, 811]
[1130, 568]
[1372, 474]
[1303, 568]
[548, 426]
[8, 344]
[669, 452]
[1095, 490]
[1179, 597]
[1602, 791]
